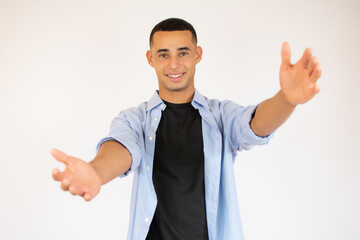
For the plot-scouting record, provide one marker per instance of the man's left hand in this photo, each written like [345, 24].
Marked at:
[298, 81]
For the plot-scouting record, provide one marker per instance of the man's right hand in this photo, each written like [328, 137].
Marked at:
[79, 177]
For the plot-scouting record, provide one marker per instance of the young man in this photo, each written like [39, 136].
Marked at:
[181, 145]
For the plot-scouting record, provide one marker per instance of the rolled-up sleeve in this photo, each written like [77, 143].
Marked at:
[128, 135]
[236, 120]
[249, 136]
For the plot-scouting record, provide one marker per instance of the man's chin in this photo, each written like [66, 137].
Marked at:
[177, 87]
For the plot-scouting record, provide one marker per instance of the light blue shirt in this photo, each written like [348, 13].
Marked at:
[226, 130]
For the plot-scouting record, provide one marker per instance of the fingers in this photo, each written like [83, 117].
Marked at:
[65, 184]
[75, 191]
[316, 89]
[60, 156]
[312, 63]
[306, 57]
[87, 196]
[314, 69]
[57, 175]
[286, 53]
[316, 74]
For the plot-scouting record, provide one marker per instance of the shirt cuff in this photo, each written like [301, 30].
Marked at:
[248, 132]
[131, 147]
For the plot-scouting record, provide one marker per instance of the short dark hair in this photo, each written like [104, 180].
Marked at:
[173, 24]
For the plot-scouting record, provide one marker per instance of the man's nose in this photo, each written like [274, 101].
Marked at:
[174, 62]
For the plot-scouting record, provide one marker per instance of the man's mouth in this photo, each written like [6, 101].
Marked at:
[175, 77]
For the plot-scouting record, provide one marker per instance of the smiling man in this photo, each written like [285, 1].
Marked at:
[174, 55]
[181, 145]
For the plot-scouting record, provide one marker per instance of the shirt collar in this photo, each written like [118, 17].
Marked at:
[201, 103]
[200, 100]
[154, 101]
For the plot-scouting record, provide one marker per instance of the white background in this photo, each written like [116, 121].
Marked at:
[68, 67]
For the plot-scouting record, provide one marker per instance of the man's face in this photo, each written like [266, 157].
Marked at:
[174, 56]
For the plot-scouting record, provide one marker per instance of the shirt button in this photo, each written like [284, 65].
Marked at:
[155, 119]
[148, 168]
[148, 108]
[162, 106]
[150, 138]
[146, 219]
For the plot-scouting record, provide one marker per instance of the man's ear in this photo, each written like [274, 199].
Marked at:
[149, 58]
[198, 54]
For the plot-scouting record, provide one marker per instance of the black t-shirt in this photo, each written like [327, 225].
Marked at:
[178, 176]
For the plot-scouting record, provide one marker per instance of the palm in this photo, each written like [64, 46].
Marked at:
[78, 177]
[298, 81]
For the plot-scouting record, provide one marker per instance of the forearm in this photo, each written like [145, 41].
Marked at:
[111, 161]
[271, 114]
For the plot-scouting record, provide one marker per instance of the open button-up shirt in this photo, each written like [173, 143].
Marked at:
[226, 130]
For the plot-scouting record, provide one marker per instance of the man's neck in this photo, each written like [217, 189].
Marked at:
[177, 97]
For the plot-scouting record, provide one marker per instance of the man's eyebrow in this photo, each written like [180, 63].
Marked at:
[183, 48]
[162, 50]
[167, 50]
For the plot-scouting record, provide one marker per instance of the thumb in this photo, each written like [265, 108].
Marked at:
[60, 156]
[286, 53]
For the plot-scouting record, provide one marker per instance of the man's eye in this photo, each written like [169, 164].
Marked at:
[163, 55]
[182, 54]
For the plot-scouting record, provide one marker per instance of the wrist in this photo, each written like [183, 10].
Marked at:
[96, 172]
[285, 100]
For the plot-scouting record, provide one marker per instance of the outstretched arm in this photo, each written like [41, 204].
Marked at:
[298, 86]
[85, 179]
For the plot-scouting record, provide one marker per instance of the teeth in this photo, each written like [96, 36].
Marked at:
[174, 76]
